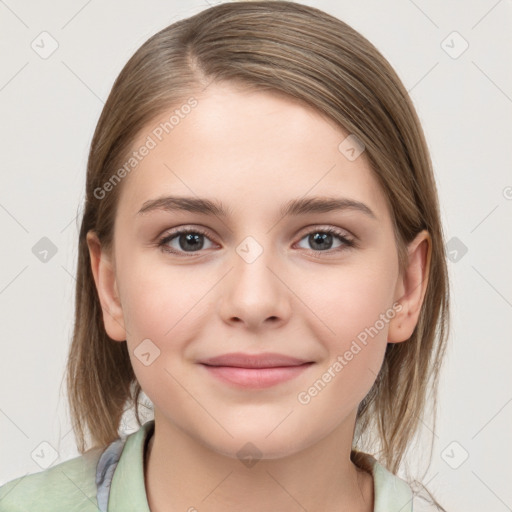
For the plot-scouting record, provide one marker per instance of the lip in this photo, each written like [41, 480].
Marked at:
[255, 371]
[263, 360]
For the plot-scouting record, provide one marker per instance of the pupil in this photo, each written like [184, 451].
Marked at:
[192, 239]
[321, 240]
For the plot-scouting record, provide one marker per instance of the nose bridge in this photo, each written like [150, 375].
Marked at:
[253, 261]
[250, 250]
[254, 292]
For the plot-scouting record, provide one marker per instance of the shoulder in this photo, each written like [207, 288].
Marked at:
[392, 493]
[68, 486]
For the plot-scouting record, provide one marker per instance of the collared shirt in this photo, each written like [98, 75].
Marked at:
[112, 480]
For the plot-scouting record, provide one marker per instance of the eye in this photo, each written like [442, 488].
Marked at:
[321, 240]
[192, 240]
[184, 240]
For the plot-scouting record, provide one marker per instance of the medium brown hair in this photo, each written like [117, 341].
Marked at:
[315, 58]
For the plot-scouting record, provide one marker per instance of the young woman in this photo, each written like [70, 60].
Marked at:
[261, 254]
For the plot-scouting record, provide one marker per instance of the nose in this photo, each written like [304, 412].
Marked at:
[254, 293]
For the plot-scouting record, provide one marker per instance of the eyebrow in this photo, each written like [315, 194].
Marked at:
[294, 207]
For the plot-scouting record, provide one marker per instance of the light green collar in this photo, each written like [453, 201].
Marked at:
[128, 491]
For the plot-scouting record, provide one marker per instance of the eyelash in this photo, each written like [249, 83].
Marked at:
[348, 243]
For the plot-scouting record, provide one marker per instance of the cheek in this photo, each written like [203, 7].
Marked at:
[164, 311]
[353, 354]
[160, 318]
[159, 300]
[348, 300]
[352, 311]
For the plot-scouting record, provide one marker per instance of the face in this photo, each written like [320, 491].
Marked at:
[317, 284]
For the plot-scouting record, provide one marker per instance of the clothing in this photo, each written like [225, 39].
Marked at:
[115, 475]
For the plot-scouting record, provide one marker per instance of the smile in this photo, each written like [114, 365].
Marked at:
[256, 378]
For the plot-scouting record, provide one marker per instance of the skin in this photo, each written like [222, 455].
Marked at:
[254, 151]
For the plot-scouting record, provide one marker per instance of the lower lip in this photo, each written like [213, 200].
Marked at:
[256, 377]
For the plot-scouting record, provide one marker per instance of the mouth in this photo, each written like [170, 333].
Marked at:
[255, 377]
[251, 361]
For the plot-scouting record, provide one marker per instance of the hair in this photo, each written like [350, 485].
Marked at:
[320, 61]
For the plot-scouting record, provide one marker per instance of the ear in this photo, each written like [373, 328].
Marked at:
[105, 279]
[411, 288]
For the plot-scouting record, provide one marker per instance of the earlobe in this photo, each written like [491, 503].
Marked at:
[106, 285]
[411, 288]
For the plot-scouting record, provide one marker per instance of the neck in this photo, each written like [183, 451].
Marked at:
[184, 474]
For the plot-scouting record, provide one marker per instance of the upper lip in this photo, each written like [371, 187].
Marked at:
[263, 360]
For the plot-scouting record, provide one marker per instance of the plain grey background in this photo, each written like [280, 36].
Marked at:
[453, 57]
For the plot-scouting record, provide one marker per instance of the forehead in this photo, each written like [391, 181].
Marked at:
[252, 149]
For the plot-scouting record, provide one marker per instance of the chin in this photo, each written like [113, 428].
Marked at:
[252, 445]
